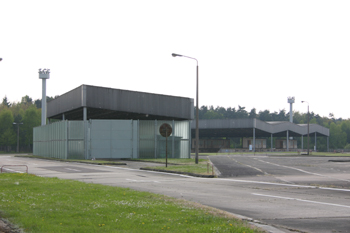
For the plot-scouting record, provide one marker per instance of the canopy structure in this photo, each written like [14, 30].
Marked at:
[91, 102]
[98, 122]
[255, 128]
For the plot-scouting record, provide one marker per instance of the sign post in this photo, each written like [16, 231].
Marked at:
[165, 130]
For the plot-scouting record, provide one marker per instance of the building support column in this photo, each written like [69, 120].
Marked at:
[155, 138]
[271, 143]
[173, 140]
[327, 144]
[189, 140]
[85, 133]
[254, 140]
[302, 142]
[287, 140]
[315, 142]
[63, 117]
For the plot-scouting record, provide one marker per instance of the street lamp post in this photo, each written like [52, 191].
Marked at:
[308, 126]
[17, 134]
[197, 106]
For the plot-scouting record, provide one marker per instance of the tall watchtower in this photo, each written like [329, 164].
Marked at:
[43, 75]
[291, 101]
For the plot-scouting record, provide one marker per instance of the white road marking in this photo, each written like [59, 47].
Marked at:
[301, 170]
[280, 184]
[232, 180]
[144, 181]
[73, 169]
[297, 199]
[250, 166]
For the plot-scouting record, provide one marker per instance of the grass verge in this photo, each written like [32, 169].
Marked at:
[186, 166]
[40, 204]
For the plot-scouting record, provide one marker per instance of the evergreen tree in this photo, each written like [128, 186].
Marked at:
[5, 102]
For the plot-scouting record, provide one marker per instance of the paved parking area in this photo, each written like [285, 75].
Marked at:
[282, 194]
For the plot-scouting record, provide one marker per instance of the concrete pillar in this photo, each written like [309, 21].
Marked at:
[254, 140]
[302, 142]
[173, 140]
[84, 114]
[315, 142]
[85, 133]
[327, 144]
[271, 142]
[155, 138]
[287, 140]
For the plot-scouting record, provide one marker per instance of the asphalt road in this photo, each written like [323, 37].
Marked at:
[281, 194]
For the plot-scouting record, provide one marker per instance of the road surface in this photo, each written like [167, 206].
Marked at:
[281, 194]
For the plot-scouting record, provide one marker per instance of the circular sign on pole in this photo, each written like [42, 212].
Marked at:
[165, 130]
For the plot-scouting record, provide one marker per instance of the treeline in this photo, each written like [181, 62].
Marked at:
[26, 115]
[339, 128]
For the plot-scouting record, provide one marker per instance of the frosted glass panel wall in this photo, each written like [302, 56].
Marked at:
[146, 139]
[182, 130]
[153, 145]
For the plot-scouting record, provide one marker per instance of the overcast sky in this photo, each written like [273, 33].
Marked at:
[251, 53]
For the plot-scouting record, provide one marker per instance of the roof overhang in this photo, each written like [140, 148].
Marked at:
[108, 103]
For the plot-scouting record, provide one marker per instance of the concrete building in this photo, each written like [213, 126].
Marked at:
[256, 130]
[96, 122]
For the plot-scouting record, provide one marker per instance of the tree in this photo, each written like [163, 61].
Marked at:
[8, 139]
[345, 127]
[230, 113]
[37, 103]
[298, 118]
[203, 110]
[338, 137]
[265, 115]
[282, 115]
[252, 113]
[7, 132]
[5, 102]
[32, 118]
[241, 112]
[27, 100]
[211, 114]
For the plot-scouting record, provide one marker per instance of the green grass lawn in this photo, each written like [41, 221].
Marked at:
[40, 204]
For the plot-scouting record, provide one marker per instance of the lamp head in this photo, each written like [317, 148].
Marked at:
[176, 55]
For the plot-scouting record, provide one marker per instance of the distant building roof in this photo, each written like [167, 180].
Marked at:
[244, 128]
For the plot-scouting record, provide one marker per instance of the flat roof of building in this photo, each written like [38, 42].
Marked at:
[109, 103]
[244, 128]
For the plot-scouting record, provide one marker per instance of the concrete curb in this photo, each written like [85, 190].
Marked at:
[341, 161]
[176, 172]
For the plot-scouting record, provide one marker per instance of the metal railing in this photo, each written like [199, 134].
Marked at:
[2, 167]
